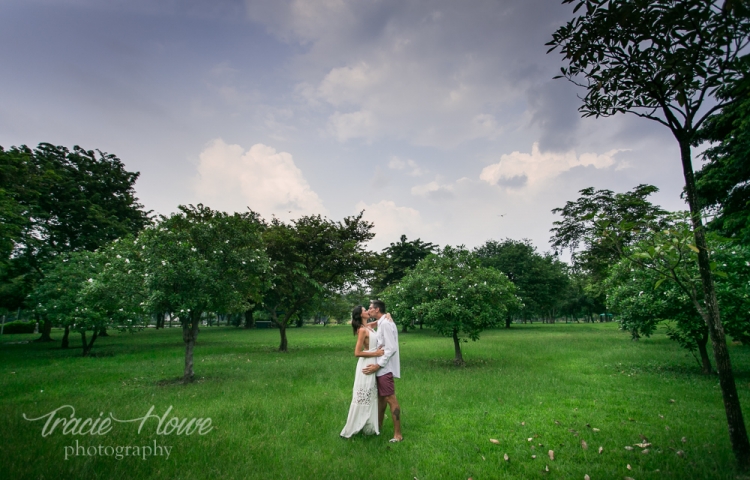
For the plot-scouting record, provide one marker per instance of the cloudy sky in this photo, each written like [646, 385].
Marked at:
[438, 118]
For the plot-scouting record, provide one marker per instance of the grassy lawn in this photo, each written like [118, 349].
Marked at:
[279, 415]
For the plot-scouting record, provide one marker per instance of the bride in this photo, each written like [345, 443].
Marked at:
[363, 412]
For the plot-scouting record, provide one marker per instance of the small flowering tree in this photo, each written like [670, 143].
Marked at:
[451, 292]
[658, 280]
[88, 291]
[201, 260]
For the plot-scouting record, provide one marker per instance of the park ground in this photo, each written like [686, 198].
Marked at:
[532, 388]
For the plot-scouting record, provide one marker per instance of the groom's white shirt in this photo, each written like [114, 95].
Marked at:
[390, 362]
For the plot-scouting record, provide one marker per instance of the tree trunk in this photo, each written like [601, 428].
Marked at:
[634, 335]
[103, 332]
[249, 319]
[508, 321]
[705, 361]
[189, 335]
[283, 344]
[404, 328]
[735, 422]
[87, 348]
[46, 330]
[160, 320]
[64, 343]
[459, 360]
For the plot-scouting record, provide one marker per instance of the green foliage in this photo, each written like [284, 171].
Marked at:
[453, 293]
[658, 280]
[659, 59]
[600, 223]
[392, 264]
[311, 259]
[201, 260]
[541, 280]
[595, 228]
[91, 291]
[723, 183]
[19, 327]
[55, 201]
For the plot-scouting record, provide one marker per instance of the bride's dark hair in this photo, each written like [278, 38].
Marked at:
[357, 318]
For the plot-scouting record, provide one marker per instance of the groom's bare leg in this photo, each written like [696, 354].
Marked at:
[381, 411]
[392, 402]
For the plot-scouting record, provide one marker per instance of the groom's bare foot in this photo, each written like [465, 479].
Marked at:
[396, 439]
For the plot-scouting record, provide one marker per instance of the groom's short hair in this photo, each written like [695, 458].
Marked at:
[379, 304]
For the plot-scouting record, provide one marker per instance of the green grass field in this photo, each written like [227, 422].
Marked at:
[534, 388]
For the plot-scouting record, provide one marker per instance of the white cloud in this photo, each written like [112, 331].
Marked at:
[529, 169]
[345, 126]
[230, 178]
[398, 164]
[392, 221]
[432, 190]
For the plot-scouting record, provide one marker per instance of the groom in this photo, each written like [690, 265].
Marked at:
[387, 367]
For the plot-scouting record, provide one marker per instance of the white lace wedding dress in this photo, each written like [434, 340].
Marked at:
[363, 411]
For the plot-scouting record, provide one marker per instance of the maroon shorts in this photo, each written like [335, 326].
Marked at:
[385, 385]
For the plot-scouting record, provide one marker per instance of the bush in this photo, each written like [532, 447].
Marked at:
[19, 327]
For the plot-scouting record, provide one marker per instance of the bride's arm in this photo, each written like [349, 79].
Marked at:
[372, 324]
[360, 345]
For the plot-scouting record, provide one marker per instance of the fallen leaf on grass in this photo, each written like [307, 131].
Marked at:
[546, 468]
[680, 453]
[530, 439]
[557, 423]
[523, 423]
[533, 456]
[629, 478]
[586, 477]
[601, 449]
[684, 440]
[551, 454]
[506, 457]
[642, 445]
[661, 416]
[595, 429]
[628, 447]
[671, 400]
[645, 451]
[496, 442]
[629, 467]
[584, 445]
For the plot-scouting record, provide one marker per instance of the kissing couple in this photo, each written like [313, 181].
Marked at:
[378, 364]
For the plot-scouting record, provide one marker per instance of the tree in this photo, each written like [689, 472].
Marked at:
[723, 184]
[200, 260]
[90, 291]
[578, 231]
[57, 201]
[454, 294]
[593, 253]
[310, 258]
[658, 279]
[541, 280]
[396, 259]
[665, 60]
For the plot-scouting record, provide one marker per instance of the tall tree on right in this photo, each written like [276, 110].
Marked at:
[666, 60]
